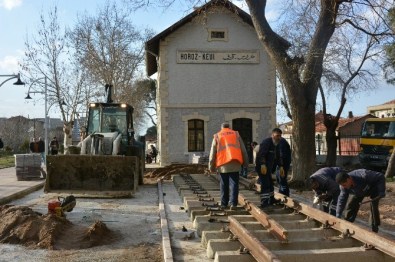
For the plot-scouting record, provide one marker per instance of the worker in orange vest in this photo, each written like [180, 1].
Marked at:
[227, 155]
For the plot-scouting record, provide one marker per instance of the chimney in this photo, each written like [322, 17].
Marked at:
[350, 114]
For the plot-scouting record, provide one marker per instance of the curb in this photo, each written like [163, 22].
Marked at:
[167, 253]
[21, 193]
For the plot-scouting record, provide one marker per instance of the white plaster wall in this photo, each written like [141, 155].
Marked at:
[219, 92]
[218, 83]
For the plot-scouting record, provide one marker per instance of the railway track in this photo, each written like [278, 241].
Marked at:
[290, 231]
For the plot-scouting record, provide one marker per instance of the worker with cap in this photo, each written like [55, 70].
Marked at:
[274, 156]
[356, 185]
[323, 183]
[227, 155]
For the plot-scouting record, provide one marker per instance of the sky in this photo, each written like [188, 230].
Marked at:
[20, 18]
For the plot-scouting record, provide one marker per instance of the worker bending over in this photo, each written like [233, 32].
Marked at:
[323, 183]
[356, 185]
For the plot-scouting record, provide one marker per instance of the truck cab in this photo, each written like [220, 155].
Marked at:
[377, 142]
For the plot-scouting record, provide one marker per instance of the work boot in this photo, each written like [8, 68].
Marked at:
[275, 201]
[375, 228]
[233, 207]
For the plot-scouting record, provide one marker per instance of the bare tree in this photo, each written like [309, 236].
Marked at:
[346, 73]
[48, 55]
[110, 49]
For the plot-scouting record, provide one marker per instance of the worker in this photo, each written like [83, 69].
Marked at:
[227, 155]
[41, 149]
[54, 145]
[274, 155]
[323, 183]
[153, 153]
[255, 150]
[358, 184]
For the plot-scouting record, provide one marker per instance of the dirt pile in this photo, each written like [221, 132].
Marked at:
[167, 171]
[21, 225]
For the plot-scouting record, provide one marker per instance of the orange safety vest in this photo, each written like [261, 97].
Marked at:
[228, 147]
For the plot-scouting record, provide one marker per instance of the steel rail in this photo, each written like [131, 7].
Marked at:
[347, 228]
[272, 225]
[254, 246]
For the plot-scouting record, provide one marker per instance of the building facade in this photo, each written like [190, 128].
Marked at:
[210, 68]
[385, 110]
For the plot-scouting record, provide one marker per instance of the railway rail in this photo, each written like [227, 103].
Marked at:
[290, 231]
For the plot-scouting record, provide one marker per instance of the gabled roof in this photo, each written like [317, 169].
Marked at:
[320, 127]
[389, 102]
[152, 45]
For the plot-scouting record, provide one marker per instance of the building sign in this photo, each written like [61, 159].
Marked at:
[217, 57]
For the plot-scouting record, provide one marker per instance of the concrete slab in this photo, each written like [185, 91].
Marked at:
[216, 245]
[334, 254]
[209, 235]
[233, 256]
[11, 188]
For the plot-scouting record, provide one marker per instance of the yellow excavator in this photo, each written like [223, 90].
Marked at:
[110, 161]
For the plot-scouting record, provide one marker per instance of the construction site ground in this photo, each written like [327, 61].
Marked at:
[121, 229]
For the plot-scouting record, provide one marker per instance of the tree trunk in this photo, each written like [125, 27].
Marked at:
[331, 143]
[391, 166]
[331, 123]
[303, 146]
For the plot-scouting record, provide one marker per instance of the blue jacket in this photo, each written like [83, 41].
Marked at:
[326, 178]
[267, 155]
[366, 183]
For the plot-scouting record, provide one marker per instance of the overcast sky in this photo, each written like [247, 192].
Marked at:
[19, 18]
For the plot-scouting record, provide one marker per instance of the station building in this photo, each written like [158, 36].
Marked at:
[210, 68]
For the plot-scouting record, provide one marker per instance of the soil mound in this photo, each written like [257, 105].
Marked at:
[21, 225]
[167, 171]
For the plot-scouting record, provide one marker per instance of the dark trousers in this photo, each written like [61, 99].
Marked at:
[330, 207]
[352, 207]
[282, 181]
[267, 189]
[229, 180]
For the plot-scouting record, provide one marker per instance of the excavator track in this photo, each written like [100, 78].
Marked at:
[289, 231]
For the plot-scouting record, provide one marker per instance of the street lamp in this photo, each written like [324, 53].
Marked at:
[18, 82]
[46, 111]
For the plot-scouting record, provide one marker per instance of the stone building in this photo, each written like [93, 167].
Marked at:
[384, 110]
[210, 68]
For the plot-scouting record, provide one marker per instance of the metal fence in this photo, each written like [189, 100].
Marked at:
[347, 145]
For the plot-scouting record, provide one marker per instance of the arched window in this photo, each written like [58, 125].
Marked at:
[195, 135]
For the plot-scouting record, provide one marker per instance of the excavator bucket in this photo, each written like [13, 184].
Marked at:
[93, 175]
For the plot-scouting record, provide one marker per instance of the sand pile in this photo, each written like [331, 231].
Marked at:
[21, 225]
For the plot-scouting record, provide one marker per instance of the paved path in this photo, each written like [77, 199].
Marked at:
[11, 189]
